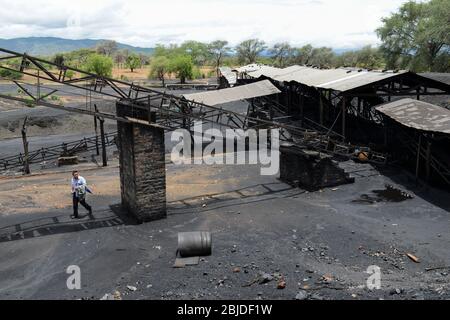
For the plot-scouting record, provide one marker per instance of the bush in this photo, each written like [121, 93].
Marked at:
[14, 75]
[196, 74]
[70, 74]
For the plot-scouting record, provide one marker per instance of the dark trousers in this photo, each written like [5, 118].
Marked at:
[77, 200]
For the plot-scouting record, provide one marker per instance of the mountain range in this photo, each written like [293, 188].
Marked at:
[45, 46]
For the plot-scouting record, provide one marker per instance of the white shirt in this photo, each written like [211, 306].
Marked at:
[78, 182]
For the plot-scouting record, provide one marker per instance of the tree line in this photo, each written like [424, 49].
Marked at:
[416, 37]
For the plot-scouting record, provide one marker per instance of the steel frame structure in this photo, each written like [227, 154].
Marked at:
[172, 112]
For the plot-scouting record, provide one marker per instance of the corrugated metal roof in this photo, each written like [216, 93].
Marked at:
[229, 75]
[437, 76]
[335, 79]
[256, 89]
[417, 114]
[267, 71]
[357, 79]
[249, 68]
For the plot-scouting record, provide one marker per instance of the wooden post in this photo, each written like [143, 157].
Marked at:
[418, 93]
[26, 163]
[418, 156]
[428, 159]
[343, 115]
[96, 131]
[149, 109]
[289, 99]
[390, 90]
[320, 108]
[102, 133]
[302, 116]
[38, 86]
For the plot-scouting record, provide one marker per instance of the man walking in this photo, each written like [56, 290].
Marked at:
[79, 189]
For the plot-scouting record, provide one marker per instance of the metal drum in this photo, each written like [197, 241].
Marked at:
[196, 243]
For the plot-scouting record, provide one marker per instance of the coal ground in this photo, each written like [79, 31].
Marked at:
[264, 233]
[319, 243]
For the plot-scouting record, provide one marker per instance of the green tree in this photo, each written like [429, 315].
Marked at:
[249, 50]
[99, 64]
[107, 47]
[158, 68]
[197, 50]
[10, 75]
[347, 59]
[169, 51]
[59, 59]
[302, 56]
[218, 50]
[369, 58]
[182, 66]
[77, 58]
[417, 36]
[322, 57]
[120, 57]
[281, 53]
[133, 61]
[70, 74]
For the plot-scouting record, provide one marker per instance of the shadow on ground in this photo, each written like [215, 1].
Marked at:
[431, 194]
[115, 215]
[63, 224]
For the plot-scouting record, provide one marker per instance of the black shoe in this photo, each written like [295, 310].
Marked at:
[73, 216]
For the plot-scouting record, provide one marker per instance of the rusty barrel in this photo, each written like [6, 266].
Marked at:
[197, 243]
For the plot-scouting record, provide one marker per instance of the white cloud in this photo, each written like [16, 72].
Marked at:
[343, 23]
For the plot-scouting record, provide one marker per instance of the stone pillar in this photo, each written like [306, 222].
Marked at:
[142, 165]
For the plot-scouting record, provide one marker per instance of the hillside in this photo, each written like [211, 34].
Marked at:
[50, 45]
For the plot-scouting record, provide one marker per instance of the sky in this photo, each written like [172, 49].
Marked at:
[333, 23]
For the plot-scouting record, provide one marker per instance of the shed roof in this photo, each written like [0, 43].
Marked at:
[340, 79]
[252, 90]
[417, 114]
[229, 75]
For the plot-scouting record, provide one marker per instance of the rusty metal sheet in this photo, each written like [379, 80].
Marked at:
[252, 90]
[418, 115]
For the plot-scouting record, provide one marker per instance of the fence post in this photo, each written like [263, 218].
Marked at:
[26, 164]
[96, 131]
[102, 134]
